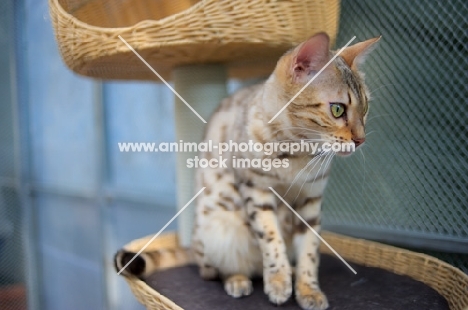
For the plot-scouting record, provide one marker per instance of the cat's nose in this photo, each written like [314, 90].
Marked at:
[358, 141]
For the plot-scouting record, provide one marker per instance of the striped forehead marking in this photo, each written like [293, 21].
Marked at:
[352, 81]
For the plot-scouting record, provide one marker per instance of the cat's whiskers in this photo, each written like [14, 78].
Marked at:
[293, 131]
[307, 177]
[305, 140]
[318, 140]
[382, 86]
[298, 175]
[375, 116]
[326, 160]
[364, 169]
[296, 127]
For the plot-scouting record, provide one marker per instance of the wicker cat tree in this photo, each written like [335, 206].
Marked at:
[198, 44]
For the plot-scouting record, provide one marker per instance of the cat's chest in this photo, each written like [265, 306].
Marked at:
[299, 173]
[304, 169]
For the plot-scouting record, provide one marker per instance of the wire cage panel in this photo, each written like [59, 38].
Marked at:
[409, 183]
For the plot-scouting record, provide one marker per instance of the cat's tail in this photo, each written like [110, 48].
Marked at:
[148, 262]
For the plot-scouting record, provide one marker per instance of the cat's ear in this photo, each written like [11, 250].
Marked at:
[311, 55]
[355, 55]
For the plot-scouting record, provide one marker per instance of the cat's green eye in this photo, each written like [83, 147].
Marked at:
[337, 109]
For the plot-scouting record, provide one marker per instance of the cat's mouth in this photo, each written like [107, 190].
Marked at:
[349, 150]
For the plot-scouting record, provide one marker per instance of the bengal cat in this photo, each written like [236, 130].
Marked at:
[241, 228]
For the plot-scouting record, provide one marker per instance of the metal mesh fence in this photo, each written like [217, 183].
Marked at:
[408, 185]
[12, 259]
[12, 287]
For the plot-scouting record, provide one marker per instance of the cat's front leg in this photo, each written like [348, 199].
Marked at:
[261, 206]
[306, 244]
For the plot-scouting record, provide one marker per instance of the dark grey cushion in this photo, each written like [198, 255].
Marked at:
[370, 289]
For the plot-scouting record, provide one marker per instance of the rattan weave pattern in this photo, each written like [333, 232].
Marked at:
[247, 35]
[449, 281]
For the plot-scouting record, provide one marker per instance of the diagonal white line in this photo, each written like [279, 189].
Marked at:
[160, 231]
[308, 83]
[313, 230]
[159, 76]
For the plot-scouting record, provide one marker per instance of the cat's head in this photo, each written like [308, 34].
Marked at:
[334, 106]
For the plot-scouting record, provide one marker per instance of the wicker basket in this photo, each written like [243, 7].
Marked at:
[247, 35]
[449, 281]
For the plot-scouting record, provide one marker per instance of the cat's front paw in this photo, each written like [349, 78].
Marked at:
[278, 287]
[309, 298]
[238, 286]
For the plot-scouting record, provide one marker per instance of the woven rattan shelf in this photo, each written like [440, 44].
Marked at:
[247, 35]
[449, 281]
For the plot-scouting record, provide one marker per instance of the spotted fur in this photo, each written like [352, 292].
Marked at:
[242, 229]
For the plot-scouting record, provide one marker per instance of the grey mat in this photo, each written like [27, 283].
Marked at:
[370, 289]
